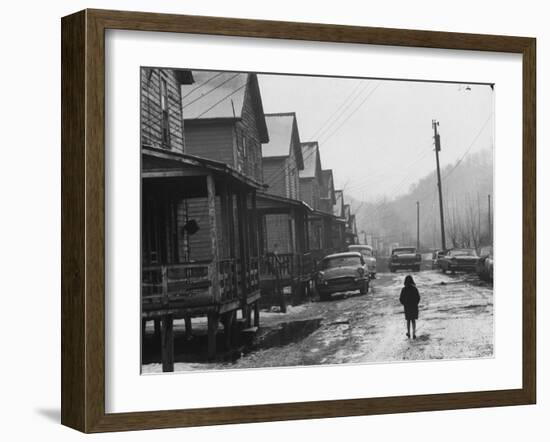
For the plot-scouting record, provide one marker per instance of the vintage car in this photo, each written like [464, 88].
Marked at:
[341, 272]
[405, 258]
[368, 256]
[459, 260]
[484, 266]
[436, 256]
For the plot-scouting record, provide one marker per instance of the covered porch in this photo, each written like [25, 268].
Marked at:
[284, 249]
[200, 248]
[322, 238]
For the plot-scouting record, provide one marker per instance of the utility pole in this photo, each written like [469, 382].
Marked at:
[489, 218]
[417, 226]
[437, 142]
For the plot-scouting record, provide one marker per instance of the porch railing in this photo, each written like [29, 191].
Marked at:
[287, 265]
[165, 286]
[162, 285]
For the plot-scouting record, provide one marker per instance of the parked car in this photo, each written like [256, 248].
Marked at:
[341, 272]
[436, 256]
[368, 256]
[405, 258]
[459, 260]
[484, 266]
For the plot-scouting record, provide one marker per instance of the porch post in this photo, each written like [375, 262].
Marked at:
[255, 225]
[232, 247]
[241, 209]
[306, 228]
[225, 226]
[215, 276]
[327, 223]
[167, 347]
[213, 319]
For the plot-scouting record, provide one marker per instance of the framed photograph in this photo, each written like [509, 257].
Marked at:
[266, 221]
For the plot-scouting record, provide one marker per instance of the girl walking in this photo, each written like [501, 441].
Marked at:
[410, 298]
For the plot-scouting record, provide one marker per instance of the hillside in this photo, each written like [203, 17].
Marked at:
[466, 186]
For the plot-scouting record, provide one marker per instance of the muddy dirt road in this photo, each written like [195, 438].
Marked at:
[455, 321]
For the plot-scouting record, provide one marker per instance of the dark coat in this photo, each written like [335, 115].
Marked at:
[410, 298]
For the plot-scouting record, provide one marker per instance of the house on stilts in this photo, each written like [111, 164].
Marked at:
[284, 217]
[339, 226]
[200, 236]
[316, 190]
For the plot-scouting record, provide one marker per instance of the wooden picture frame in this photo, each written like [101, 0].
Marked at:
[83, 220]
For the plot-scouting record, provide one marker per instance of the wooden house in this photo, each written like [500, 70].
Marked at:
[311, 177]
[284, 216]
[310, 193]
[314, 191]
[339, 226]
[327, 195]
[328, 199]
[224, 120]
[350, 236]
[281, 161]
[161, 117]
[200, 237]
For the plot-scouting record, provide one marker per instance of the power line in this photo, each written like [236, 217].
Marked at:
[352, 113]
[324, 127]
[210, 91]
[378, 206]
[173, 108]
[201, 85]
[361, 184]
[284, 169]
[219, 101]
[471, 145]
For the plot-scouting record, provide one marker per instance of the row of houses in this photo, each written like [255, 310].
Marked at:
[236, 207]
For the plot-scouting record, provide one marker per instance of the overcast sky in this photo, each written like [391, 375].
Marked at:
[376, 135]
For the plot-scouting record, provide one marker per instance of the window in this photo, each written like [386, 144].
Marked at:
[165, 117]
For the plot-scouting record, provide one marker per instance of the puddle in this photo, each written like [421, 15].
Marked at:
[285, 333]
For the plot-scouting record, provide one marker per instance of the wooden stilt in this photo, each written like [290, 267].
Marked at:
[257, 314]
[157, 329]
[167, 343]
[228, 323]
[188, 328]
[247, 316]
[212, 331]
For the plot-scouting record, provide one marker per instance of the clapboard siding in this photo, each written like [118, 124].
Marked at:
[279, 233]
[151, 114]
[281, 174]
[196, 247]
[310, 192]
[293, 174]
[249, 152]
[199, 243]
[212, 140]
[234, 141]
[273, 175]
[293, 180]
[316, 235]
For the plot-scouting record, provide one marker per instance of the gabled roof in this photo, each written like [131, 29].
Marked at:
[339, 204]
[347, 212]
[328, 185]
[283, 135]
[176, 162]
[312, 160]
[215, 95]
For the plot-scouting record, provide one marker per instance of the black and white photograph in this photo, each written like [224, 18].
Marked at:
[304, 220]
